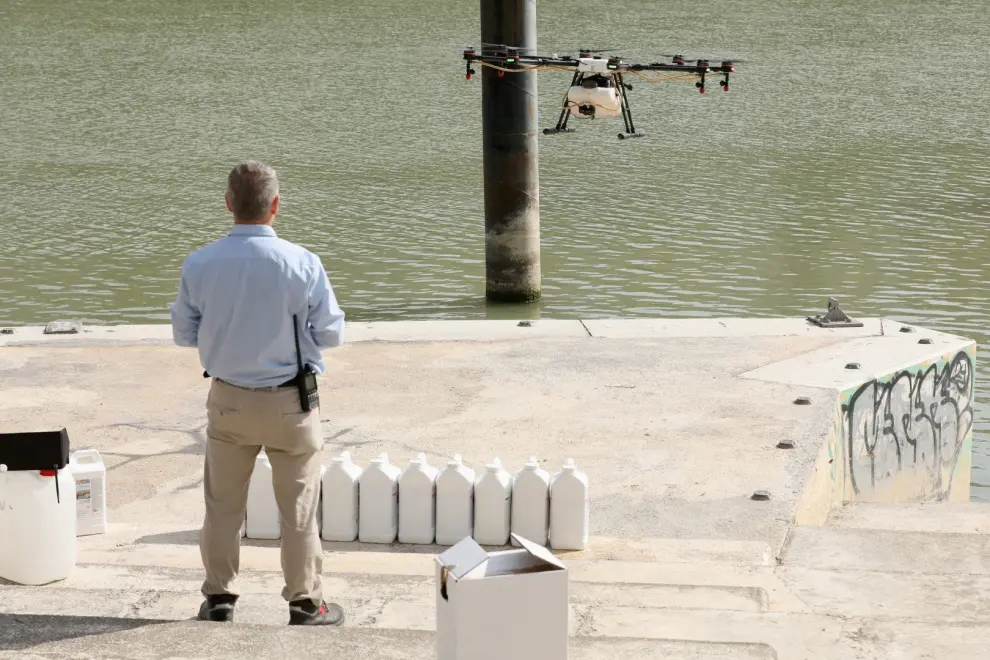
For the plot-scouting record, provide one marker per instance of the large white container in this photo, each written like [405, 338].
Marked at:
[569, 509]
[90, 475]
[37, 525]
[263, 520]
[418, 502]
[340, 499]
[492, 505]
[455, 502]
[378, 518]
[531, 503]
[604, 100]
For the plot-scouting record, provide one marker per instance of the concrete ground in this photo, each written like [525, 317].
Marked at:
[673, 421]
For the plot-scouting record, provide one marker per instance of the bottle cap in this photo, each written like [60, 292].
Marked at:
[381, 459]
[418, 459]
[569, 465]
[344, 457]
[532, 464]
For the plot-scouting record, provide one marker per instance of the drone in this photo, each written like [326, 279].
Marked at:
[598, 88]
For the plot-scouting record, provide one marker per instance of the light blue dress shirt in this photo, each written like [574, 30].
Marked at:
[236, 299]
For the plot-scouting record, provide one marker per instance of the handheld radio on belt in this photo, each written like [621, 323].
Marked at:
[309, 397]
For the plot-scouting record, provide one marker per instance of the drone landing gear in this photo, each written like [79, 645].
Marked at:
[631, 130]
[565, 112]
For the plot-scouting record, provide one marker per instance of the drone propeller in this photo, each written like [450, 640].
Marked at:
[679, 57]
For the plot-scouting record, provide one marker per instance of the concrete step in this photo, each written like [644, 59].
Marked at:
[852, 549]
[934, 517]
[949, 598]
[93, 638]
[370, 599]
[800, 636]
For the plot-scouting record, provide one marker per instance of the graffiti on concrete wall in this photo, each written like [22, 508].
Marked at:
[910, 427]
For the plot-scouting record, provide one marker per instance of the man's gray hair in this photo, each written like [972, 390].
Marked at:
[251, 189]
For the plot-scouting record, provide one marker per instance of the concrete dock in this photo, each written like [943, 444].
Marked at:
[866, 547]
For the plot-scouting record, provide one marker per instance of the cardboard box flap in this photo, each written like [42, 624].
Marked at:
[463, 558]
[539, 551]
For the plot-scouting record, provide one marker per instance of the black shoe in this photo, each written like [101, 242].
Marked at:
[305, 613]
[218, 608]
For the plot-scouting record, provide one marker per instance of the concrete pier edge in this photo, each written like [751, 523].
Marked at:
[880, 352]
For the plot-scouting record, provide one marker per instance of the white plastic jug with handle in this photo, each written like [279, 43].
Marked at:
[340, 499]
[263, 520]
[378, 517]
[455, 502]
[531, 503]
[418, 502]
[492, 505]
[90, 475]
[37, 525]
[569, 509]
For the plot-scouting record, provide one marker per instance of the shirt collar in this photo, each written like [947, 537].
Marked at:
[252, 230]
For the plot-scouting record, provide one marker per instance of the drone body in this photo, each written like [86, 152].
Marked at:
[598, 88]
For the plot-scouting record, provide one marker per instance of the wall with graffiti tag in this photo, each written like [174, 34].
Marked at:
[907, 436]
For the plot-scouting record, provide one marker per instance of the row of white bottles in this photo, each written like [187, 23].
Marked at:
[423, 505]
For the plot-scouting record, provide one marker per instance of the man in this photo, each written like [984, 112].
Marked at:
[236, 301]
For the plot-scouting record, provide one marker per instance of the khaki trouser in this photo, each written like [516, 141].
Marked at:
[240, 423]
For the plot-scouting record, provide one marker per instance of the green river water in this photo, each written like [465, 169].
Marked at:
[849, 159]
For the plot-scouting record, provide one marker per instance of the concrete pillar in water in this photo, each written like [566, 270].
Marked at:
[511, 159]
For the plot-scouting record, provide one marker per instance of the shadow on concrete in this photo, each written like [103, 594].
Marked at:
[24, 631]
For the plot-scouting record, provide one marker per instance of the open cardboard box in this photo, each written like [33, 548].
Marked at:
[505, 604]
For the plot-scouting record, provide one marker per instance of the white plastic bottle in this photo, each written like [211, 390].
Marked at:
[418, 502]
[492, 505]
[263, 520]
[378, 517]
[455, 502]
[90, 475]
[340, 499]
[37, 525]
[531, 503]
[569, 509]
